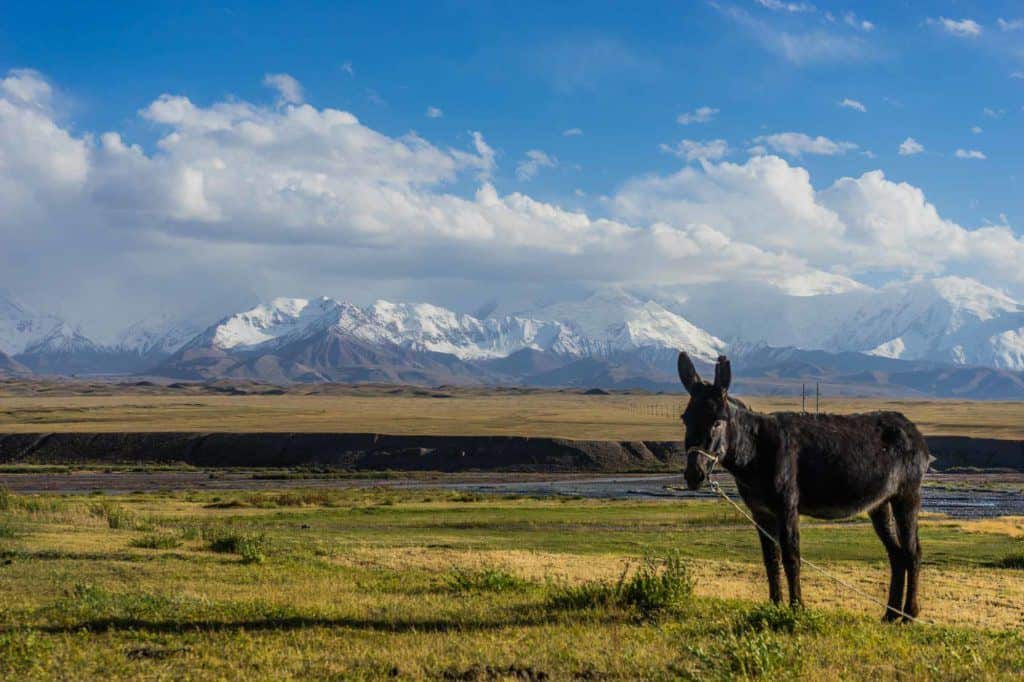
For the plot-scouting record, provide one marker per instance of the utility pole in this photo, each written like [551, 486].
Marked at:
[803, 397]
[817, 397]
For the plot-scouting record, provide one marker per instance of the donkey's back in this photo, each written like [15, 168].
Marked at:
[846, 464]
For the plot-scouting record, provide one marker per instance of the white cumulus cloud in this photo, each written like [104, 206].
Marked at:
[237, 201]
[288, 89]
[910, 146]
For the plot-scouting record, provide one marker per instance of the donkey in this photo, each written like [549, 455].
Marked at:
[826, 466]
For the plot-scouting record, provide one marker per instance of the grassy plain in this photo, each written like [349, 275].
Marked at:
[358, 583]
[448, 411]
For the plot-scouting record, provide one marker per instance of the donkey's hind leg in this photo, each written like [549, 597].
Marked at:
[885, 526]
[905, 509]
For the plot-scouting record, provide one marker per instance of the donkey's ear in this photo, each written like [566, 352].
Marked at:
[687, 372]
[723, 373]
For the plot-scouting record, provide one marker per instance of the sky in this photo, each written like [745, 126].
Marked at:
[167, 157]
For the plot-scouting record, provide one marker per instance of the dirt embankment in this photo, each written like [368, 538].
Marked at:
[367, 451]
[358, 451]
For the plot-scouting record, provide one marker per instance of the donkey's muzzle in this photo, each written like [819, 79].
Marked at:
[697, 463]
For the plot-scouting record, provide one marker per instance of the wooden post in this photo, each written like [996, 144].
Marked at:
[817, 397]
[803, 397]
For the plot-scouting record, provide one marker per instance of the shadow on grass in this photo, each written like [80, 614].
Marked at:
[514, 618]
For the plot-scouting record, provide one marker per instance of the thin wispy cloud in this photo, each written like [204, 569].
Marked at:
[970, 154]
[693, 150]
[1010, 24]
[433, 112]
[587, 62]
[977, 130]
[798, 144]
[803, 47]
[531, 164]
[993, 113]
[910, 146]
[698, 115]
[963, 28]
[852, 20]
[572, 132]
[793, 7]
[848, 103]
[346, 67]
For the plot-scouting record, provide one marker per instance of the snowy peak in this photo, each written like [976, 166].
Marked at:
[622, 321]
[157, 336]
[63, 340]
[21, 328]
[949, 319]
[429, 327]
[281, 317]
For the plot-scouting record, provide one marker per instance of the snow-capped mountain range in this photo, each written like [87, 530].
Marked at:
[598, 326]
[609, 336]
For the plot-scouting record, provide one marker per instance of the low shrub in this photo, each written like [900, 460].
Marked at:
[768, 617]
[757, 654]
[484, 580]
[252, 547]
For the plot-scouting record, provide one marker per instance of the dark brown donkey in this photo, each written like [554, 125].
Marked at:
[822, 465]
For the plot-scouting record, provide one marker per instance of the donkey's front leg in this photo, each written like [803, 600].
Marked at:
[789, 541]
[770, 554]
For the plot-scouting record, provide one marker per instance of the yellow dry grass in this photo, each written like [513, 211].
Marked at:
[556, 414]
[976, 597]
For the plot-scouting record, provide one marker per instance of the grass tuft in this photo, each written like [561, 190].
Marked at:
[656, 586]
[779, 618]
[117, 517]
[252, 547]
[155, 542]
[484, 580]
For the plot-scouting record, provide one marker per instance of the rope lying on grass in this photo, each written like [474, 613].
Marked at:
[715, 487]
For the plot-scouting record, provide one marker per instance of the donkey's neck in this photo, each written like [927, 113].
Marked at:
[743, 428]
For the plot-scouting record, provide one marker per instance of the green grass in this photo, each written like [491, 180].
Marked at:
[656, 586]
[1013, 560]
[155, 542]
[365, 584]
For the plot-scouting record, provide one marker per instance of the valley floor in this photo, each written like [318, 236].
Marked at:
[359, 582]
[450, 411]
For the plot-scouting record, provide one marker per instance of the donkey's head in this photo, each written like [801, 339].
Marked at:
[706, 418]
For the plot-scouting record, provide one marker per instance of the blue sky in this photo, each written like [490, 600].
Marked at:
[525, 72]
[623, 74]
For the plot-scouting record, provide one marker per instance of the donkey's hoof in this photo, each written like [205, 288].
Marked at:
[890, 616]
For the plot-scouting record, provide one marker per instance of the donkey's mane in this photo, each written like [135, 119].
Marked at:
[739, 403]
